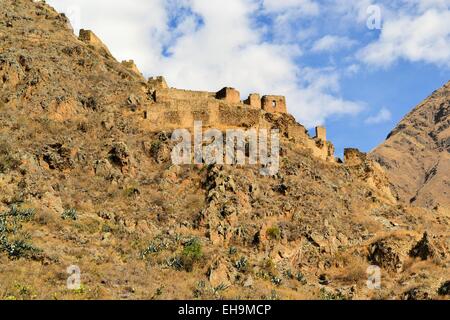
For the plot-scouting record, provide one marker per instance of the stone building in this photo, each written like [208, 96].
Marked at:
[171, 108]
[230, 95]
[89, 37]
[274, 104]
[321, 133]
[254, 101]
[155, 83]
[130, 65]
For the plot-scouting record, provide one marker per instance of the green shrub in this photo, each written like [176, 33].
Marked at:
[12, 242]
[192, 253]
[288, 274]
[154, 148]
[10, 221]
[326, 295]
[276, 280]
[274, 233]
[8, 161]
[301, 278]
[220, 288]
[19, 248]
[268, 266]
[131, 192]
[176, 263]
[186, 260]
[70, 214]
[151, 249]
[199, 290]
[232, 251]
[242, 264]
[193, 249]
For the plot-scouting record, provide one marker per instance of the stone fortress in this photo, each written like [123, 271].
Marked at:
[176, 108]
[172, 108]
[181, 106]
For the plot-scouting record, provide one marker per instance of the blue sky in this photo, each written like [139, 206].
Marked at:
[355, 66]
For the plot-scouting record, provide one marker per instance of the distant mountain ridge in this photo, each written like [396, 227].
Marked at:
[416, 154]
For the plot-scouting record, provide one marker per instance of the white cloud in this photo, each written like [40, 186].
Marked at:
[132, 30]
[384, 115]
[307, 7]
[350, 11]
[420, 34]
[352, 69]
[330, 43]
[424, 5]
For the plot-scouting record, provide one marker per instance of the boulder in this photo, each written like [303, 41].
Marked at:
[389, 253]
[444, 290]
[219, 275]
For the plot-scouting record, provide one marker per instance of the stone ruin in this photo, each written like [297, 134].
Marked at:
[173, 108]
[226, 96]
[89, 37]
[155, 83]
[321, 133]
[273, 104]
[130, 65]
[229, 95]
[254, 101]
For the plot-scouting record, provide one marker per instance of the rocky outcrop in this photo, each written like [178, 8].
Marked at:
[389, 253]
[423, 249]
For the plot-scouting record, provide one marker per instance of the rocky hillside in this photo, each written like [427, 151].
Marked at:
[84, 182]
[416, 155]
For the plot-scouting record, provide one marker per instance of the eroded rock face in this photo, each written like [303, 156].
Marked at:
[119, 155]
[58, 156]
[390, 253]
[423, 249]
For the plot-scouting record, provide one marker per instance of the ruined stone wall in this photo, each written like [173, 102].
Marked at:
[168, 95]
[89, 37]
[321, 133]
[181, 114]
[239, 116]
[155, 83]
[229, 95]
[254, 101]
[170, 115]
[179, 109]
[274, 104]
[130, 65]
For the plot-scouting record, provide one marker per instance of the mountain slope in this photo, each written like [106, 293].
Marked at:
[85, 180]
[416, 155]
